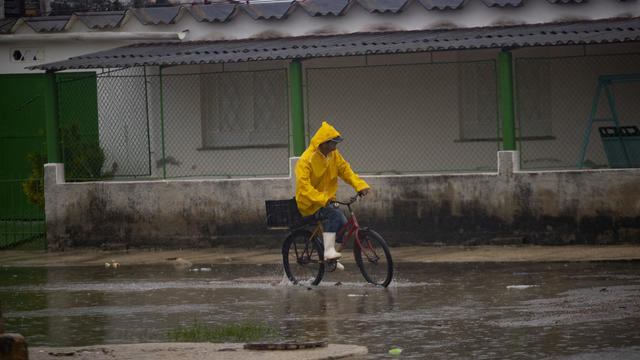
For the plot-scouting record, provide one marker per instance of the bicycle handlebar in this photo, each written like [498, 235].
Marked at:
[348, 202]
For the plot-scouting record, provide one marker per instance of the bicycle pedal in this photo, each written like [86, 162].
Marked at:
[331, 265]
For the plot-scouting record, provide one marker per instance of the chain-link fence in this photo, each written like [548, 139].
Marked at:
[224, 123]
[555, 97]
[138, 122]
[409, 118]
[78, 126]
[124, 122]
[201, 121]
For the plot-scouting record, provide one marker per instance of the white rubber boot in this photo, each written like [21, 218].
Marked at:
[339, 266]
[330, 252]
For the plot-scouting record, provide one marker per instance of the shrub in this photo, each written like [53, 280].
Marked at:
[34, 186]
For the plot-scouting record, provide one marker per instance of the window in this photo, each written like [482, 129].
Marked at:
[477, 101]
[534, 98]
[244, 109]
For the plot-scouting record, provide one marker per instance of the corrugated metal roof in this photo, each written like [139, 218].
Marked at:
[324, 7]
[382, 6]
[569, 1]
[167, 54]
[503, 3]
[157, 15]
[224, 11]
[101, 19]
[441, 4]
[212, 12]
[269, 10]
[47, 23]
[6, 25]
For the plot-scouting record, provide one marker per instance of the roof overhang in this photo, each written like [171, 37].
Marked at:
[211, 52]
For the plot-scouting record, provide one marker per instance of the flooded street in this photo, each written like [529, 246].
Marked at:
[575, 310]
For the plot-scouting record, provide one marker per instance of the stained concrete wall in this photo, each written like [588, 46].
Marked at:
[510, 206]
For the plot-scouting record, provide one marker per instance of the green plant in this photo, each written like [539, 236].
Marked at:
[83, 158]
[242, 332]
[33, 188]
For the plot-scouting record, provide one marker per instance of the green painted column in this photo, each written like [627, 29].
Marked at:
[164, 157]
[50, 94]
[506, 101]
[297, 113]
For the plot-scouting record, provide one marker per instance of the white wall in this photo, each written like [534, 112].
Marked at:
[183, 128]
[123, 116]
[123, 121]
[401, 118]
[507, 206]
[424, 136]
[574, 72]
[399, 113]
[51, 50]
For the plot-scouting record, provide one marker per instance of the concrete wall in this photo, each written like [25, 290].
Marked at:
[510, 206]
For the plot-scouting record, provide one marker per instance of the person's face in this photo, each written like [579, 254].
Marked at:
[327, 147]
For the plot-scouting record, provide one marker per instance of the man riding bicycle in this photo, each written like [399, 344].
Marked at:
[317, 173]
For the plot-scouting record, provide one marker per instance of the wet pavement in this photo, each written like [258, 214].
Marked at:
[552, 310]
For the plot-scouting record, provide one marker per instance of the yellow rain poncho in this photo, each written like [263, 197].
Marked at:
[317, 175]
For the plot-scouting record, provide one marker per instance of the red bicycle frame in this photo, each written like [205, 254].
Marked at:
[352, 225]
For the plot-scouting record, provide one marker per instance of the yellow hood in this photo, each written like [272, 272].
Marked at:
[323, 134]
[317, 175]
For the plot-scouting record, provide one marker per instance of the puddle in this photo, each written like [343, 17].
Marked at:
[435, 311]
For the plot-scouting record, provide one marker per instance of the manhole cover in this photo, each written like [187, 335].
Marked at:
[285, 345]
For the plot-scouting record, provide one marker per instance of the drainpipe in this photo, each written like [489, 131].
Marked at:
[506, 101]
[94, 36]
[51, 117]
[297, 113]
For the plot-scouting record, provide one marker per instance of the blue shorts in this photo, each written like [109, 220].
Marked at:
[334, 220]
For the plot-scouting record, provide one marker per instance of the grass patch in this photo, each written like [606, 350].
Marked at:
[243, 332]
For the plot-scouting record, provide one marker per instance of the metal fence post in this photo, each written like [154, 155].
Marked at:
[51, 117]
[506, 101]
[297, 113]
[146, 114]
[164, 159]
[1, 322]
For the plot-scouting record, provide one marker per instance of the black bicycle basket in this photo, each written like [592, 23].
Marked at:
[282, 214]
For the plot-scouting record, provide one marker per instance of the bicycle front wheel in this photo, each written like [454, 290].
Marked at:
[373, 258]
[302, 258]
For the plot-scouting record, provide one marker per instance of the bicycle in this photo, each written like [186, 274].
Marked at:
[303, 250]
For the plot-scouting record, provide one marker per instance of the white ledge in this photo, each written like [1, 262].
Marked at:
[93, 36]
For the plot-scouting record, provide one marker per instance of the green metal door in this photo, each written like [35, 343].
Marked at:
[21, 133]
[23, 111]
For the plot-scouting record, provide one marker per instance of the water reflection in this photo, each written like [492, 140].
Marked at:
[439, 311]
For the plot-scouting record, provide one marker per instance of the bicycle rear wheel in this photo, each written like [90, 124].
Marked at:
[373, 258]
[302, 258]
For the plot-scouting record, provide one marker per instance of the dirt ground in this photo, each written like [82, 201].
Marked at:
[191, 351]
[427, 254]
